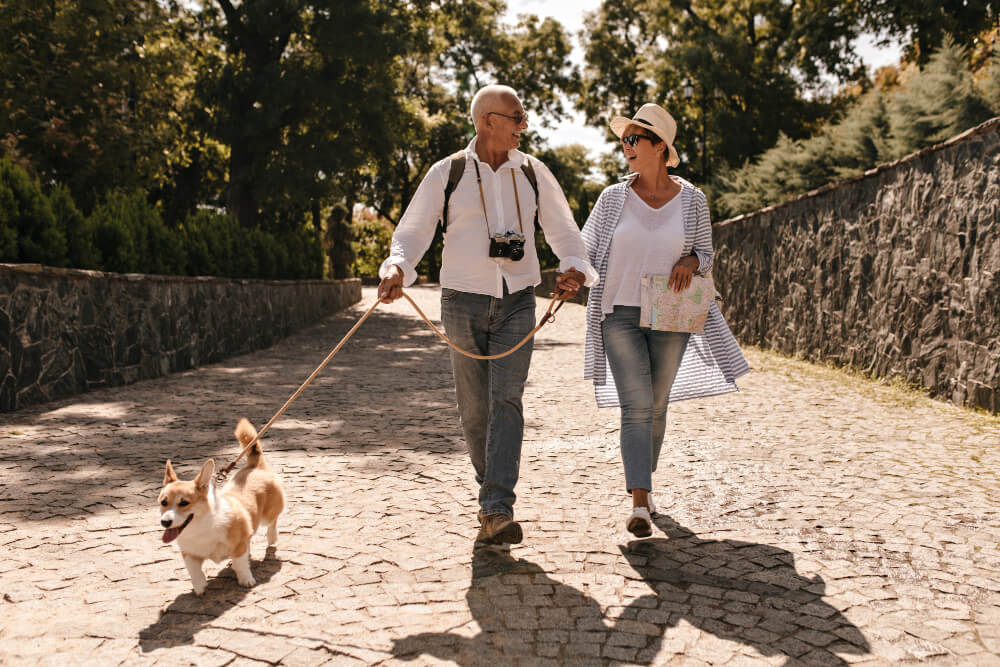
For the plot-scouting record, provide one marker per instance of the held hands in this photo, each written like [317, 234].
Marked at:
[391, 287]
[680, 277]
[568, 283]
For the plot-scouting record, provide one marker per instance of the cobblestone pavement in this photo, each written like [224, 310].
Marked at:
[812, 518]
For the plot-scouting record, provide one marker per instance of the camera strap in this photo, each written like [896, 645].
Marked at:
[517, 202]
[482, 199]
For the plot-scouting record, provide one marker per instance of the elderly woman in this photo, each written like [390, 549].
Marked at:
[650, 224]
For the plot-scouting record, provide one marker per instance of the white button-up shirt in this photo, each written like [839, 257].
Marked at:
[465, 264]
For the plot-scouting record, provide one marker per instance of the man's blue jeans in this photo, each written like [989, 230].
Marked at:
[489, 392]
[644, 364]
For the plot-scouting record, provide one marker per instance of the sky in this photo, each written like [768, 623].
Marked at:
[570, 14]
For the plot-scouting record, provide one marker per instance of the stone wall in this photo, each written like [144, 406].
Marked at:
[64, 331]
[896, 272]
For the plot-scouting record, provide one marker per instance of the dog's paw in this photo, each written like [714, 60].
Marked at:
[199, 589]
[247, 581]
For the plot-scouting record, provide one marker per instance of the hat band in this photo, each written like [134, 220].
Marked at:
[644, 122]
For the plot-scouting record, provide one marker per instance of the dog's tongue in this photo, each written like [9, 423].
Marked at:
[170, 534]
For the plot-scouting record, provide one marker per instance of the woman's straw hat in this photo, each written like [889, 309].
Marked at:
[654, 118]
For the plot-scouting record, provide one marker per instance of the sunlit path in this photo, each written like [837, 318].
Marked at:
[812, 518]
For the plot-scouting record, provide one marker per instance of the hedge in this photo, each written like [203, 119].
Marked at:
[126, 234]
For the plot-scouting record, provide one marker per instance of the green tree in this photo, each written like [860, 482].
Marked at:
[926, 107]
[745, 65]
[937, 103]
[300, 95]
[926, 23]
[456, 48]
[86, 92]
[991, 81]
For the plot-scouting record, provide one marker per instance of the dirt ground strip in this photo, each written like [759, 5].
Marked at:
[812, 518]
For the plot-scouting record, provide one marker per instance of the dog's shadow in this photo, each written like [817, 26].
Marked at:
[189, 613]
[742, 592]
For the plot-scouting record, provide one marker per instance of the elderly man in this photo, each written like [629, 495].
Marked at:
[488, 273]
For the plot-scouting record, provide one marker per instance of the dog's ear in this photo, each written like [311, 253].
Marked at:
[204, 477]
[169, 476]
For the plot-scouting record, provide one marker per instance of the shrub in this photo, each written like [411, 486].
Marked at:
[28, 229]
[131, 236]
[80, 250]
[216, 245]
[373, 238]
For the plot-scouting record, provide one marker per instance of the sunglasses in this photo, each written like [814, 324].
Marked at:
[517, 119]
[633, 139]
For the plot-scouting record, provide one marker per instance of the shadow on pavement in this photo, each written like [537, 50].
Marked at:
[737, 591]
[189, 613]
[119, 438]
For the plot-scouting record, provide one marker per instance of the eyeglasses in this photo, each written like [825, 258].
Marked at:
[633, 139]
[519, 118]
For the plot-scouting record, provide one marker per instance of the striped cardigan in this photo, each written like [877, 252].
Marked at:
[713, 360]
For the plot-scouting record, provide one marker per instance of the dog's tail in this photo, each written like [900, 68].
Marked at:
[245, 432]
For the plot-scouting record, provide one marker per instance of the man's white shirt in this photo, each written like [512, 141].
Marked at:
[465, 264]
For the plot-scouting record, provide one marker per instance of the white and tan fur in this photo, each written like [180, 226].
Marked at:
[216, 525]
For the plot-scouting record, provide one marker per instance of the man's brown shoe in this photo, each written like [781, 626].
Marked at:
[499, 529]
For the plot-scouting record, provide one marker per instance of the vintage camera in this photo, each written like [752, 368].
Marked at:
[510, 245]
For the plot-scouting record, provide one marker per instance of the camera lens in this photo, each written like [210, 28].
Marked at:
[517, 251]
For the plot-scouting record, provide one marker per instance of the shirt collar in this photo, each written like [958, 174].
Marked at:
[515, 158]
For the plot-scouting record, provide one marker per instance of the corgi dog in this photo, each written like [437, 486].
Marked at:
[214, 524]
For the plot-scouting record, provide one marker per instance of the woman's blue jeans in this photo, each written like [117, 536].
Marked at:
[644, 364]
[489, 392]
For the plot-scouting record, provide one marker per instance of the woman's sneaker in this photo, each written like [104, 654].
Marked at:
[639, 522]
[649, 501]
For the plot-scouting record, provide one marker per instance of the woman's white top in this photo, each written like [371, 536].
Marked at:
[647, 242]
[712, 361]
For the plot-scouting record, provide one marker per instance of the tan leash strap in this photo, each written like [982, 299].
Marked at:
[222, 474]
[548, 317]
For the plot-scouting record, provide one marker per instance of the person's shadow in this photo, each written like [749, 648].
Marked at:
[738, 591]
[189, 613]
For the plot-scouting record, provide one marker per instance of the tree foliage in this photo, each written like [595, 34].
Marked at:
[155, 134]
[925, 24]
[927, 107]
[746, 66]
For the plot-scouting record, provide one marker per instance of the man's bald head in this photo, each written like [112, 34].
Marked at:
[490, 98]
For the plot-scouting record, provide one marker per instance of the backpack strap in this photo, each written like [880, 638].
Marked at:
[529, 173]
[456, 171]
[454, 176]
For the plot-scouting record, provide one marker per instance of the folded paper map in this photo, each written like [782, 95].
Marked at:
[663, 309]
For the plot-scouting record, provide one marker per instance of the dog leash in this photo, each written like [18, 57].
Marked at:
[549, 316]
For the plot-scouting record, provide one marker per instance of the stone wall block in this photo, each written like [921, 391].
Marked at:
[63, 330]
[896, 272]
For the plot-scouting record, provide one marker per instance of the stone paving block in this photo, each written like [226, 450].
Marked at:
[831, 538]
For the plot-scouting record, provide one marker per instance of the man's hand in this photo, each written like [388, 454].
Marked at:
[391, 287]
[680, 277]
[568, 283]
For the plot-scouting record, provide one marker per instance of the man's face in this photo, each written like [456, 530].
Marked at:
[507, 121]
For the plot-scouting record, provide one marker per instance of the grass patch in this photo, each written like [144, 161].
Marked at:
[894, 391]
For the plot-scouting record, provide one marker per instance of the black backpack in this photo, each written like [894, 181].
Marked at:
[455, 175]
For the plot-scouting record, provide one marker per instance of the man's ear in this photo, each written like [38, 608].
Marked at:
[204, 477]
[169, 475]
